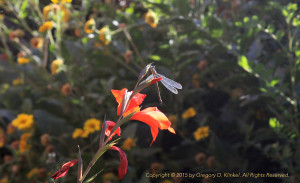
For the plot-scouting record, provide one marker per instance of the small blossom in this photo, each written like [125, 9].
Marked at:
[18, 81]
[128, 56]
[61, 1]
[200, 158]
[66, 89]
[18, 33]
[109, 127]
[23, 121]
[151, 19]
[110, 176]
[45, 139]
[32, 173]
[8, 158]
[4, 180]
[128, 144]
[10, 129]
[189, 113]
[46, 26]
[78, 132]
[37, 42]
[210, 162]
[23, 146]
[89, 26]
[202, 65]
[23, 60]
[55, 65]
[92, 125]
[167, 181]
[104, 35]
[201, 133]
[2, 140]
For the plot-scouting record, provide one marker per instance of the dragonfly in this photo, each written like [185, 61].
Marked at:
[171, 85]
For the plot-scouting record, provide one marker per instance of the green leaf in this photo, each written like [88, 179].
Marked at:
[22, 12]
[155, 57]
[243, 62]
[274, 123]
[93, 177]
[217, 33]
[274, 82]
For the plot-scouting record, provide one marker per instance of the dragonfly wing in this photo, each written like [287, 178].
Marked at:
[170, 82]
[169, 87]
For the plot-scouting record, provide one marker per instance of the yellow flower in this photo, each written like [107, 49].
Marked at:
[201, 133]
[109, 176]
[61, 1]
[23, 146]
[104, 35]
[23, 60]
[4, 180]
[189, 113]
[23, 121]
[37, 42]
[151, 19]
[46, 26]
[32, 173]
[78, 132]
[46, 10]
[25, 136]
[66, 15]
[18, 81]
[173, 119]
[89, 26]
[128, 143]
[55, 65]
[91, 125]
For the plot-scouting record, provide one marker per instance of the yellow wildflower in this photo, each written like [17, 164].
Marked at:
[37, 42]
[189, 113]
[104, 35]
[89, 26]
[55, 65]
[4, 180]
[46, 10]
[32, 173]
[10, 128]
[61, 1]
[1, 16]
[109, 176]
[46, 26]
[23, 60]
[151, 19]
[201, 133]
[78, 132]
[173, 119]
[23, 146]
[18, 81]
[66, 15]
[128, 143]
[25, 136]
[23, 121]
[92, 125]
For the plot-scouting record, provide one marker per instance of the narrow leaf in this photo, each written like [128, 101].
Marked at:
[93, 177]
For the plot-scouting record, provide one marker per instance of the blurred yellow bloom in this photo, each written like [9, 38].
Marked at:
[46, 26]
[25, 136]
[55, 65]
[189, 113]
[66, 15]
[151, 19]
[61, 1]
[37, 42]
[4, 180]
[46, 11]
[23, 146]
[23, 121]
[10, 129]
[1, 16]
[201, 133]
[23, 60]
[129, 143]
[104, 35]
[89, 26]
[109, 177]
[91, 125]
[32, 173]
[18, 81]
[78, 132]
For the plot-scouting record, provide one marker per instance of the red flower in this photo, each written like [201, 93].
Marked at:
[155, 119]
[64, 169]
[134, 103]
[109, 127]
[123, 162]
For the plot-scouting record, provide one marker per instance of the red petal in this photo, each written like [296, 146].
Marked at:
[123, 162]
[64, 169]
[155, 119]
[109, 127]
[155, 80]
[134, 103]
